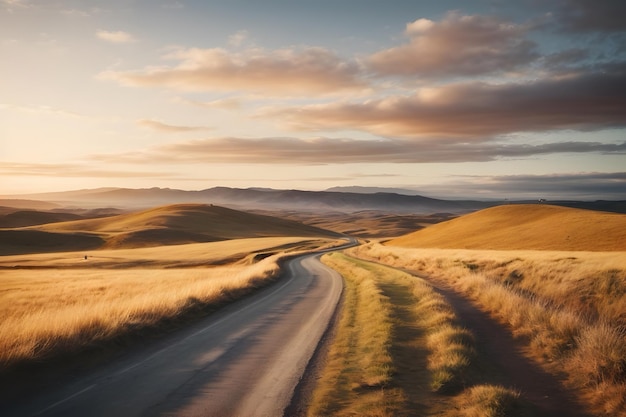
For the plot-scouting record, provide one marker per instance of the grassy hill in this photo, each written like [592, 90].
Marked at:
[166, 225]
[534, 227]
[22, 218]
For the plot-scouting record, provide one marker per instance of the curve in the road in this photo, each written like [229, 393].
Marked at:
[244, 361]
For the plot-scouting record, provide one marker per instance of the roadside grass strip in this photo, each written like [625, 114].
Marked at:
[398, 350]
[359, 365]
[568, 308]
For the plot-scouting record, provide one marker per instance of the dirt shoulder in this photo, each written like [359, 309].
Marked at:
[501, 360]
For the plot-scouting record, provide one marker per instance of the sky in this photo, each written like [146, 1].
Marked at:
[489, 99]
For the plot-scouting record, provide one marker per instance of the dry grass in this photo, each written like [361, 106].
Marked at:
[520, 227]
[167, 225]
[52, 310]
[49, 312]
[397, 346]
[174, 256]
[217, 223]
[487, 401]
[359, 365]
[569, 307]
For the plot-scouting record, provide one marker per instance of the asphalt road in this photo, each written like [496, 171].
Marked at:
[243, 361]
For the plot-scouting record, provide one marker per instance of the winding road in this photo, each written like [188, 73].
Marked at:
[244, 360]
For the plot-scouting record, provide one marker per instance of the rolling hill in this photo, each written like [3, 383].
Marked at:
[22, 218]
[166, 225]
[517, 227]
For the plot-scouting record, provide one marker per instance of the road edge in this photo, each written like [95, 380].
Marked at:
[303, 391]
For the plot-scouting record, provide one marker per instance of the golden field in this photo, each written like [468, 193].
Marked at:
[172, 256]
[58, 303]
[521, 227]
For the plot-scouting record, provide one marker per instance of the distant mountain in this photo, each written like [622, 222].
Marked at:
[260, 199]
[372, 190]
[20, 203]
[297, 200]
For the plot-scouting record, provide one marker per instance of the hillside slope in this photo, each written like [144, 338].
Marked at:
[22, 218]
[534, 227]
[167, 225]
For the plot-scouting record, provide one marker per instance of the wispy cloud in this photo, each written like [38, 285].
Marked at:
[590, 15]
[168, 128]
[457, 45]
[580, 185]
[76, 13]
[11, 5]
[230, 103]
[238, 38]
[40, 109]
[285, 72]
[115, 36]
[321, 151]
[70, 170]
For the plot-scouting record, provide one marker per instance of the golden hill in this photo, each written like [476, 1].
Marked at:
[534, 227]
[166, 225]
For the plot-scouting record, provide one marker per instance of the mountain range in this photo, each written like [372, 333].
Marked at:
[271, 199]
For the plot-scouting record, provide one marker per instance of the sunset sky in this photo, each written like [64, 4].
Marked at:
[483, 99]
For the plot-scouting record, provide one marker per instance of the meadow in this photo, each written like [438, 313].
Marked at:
[55, 304]
[568, 308]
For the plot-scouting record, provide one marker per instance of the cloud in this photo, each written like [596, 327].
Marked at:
[238, 38]
[69, 170]
[40, 110]
[75, 13]
[592, 15]
[163, 127]
[477, 111]
[285, 72]
[11, 5]
[321, 151]
[115, 36]
[582, 185]
[457, 46]
[230, 103]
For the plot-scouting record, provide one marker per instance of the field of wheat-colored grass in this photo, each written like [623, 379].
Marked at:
[568, 307]
[397, 347]
[172, 256]
[49, 310]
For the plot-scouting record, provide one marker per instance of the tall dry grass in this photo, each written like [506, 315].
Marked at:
[359, 365]
[172, 256]
[47, 312]
[569, 307]
[362, 375]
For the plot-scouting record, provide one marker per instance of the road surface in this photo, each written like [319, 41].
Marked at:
[243, 361]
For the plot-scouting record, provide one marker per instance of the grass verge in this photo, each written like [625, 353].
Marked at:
[569, 308]
[411, 344]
